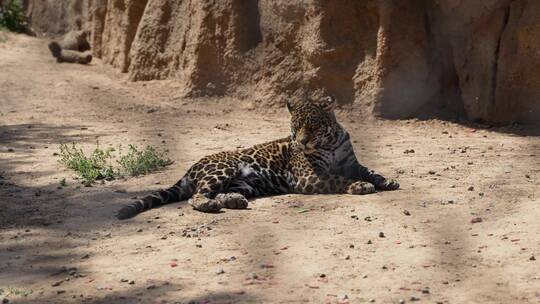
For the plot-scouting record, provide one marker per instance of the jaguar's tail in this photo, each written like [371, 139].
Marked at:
[179, 192]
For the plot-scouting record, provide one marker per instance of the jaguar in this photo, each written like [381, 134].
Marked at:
[316, 158]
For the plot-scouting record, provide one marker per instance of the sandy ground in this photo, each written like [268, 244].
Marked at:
[62, 245]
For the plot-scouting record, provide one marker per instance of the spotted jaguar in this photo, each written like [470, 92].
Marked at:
[317, 158]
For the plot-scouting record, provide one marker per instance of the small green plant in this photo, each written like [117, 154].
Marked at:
[99, 164]
[12, 16]
[15, 291]
[90, 168]
[138, 162]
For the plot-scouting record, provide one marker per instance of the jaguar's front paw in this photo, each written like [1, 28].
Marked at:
[358, 188]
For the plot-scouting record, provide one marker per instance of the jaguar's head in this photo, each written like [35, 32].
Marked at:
[313, 124]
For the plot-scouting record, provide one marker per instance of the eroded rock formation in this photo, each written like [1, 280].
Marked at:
[387, 57]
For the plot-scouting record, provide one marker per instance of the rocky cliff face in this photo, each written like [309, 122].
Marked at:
[387, 57]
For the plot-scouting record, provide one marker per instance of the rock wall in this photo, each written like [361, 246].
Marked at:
[385, 57]
[57, 17]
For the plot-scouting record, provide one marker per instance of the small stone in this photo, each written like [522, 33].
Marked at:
[5, 301]
[406, 212]
[381, 235]
[369, 242]
[140, 230]
[151, 286]
[124, 280]
[401, 301]
[431, 172]
[343, 297]
[253, 276]
[425, 290]
[351, 246]
[413, 298]
[86, 256]
[532, 258]
[322, 275]
[471, 188]
[368, 219]
[131, 282]
[348, 257]
[476, 220]
[57, 283]
[371, 300]
[220, 271]
[60, 291]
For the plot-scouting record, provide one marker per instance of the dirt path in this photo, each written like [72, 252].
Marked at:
[272, 253]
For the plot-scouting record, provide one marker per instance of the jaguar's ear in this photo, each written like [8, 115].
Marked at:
[328, 103]
[290, 105]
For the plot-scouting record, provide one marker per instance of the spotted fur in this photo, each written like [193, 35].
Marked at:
[317, 157]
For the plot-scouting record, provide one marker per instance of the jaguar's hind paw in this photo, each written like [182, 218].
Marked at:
[359, 188]
[232, 200]
[202, 203]
[388, 184]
